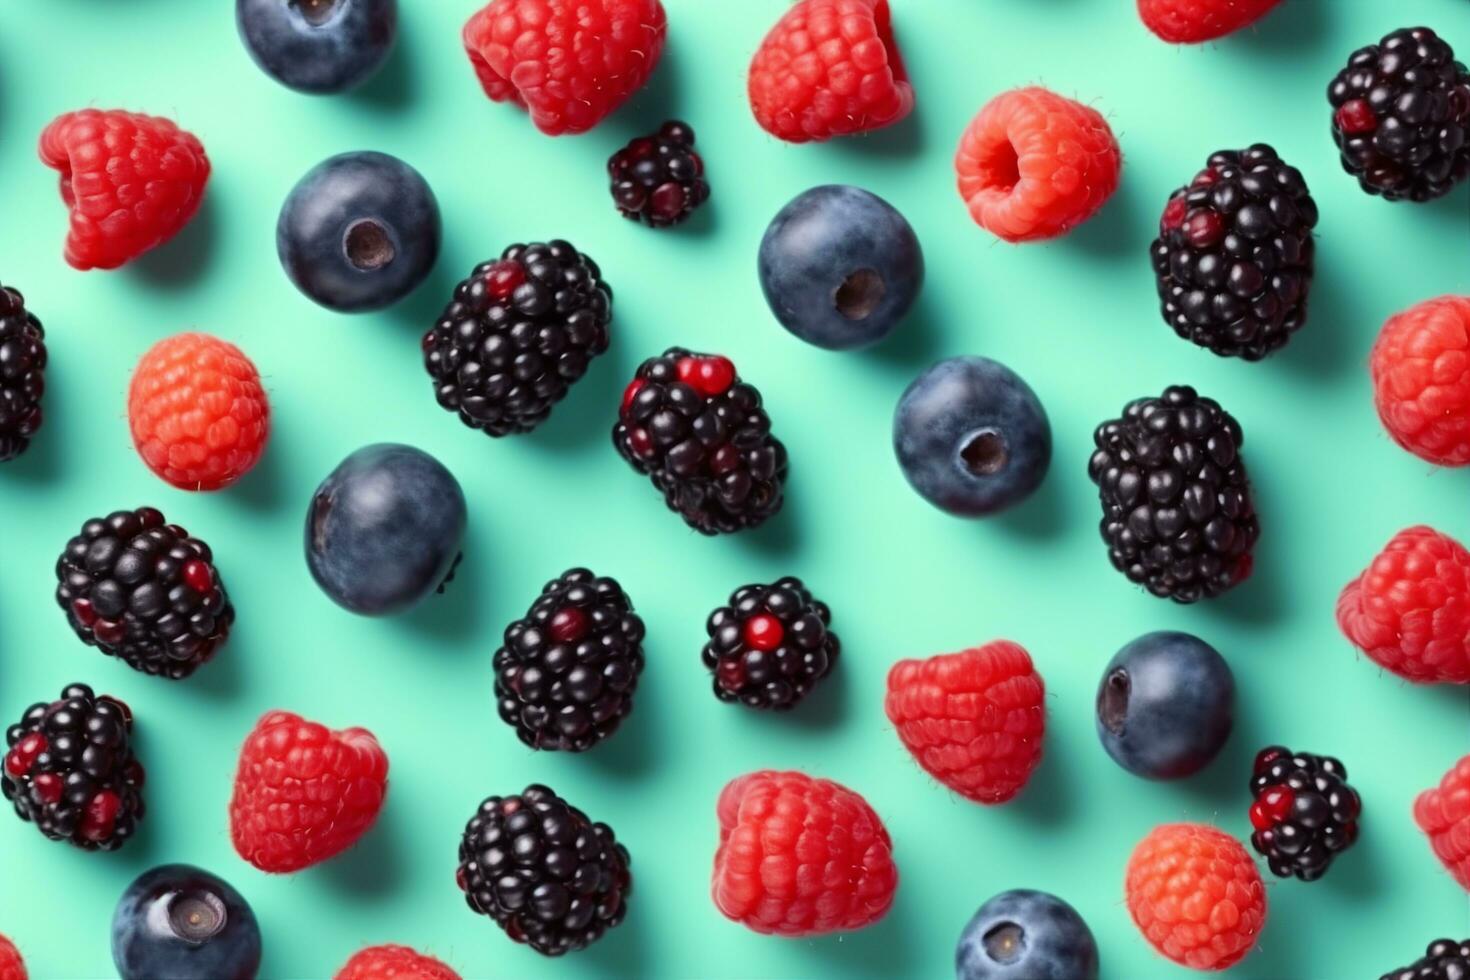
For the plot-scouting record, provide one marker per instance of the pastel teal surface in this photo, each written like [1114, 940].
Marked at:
[1077, 318]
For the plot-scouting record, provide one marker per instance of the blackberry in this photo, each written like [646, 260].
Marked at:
[519, 332]
[1401, 116]
[22, 374]
[546, 874]
[566, 675]
[659, 179]
[770, 645]
[1444, 959]
[1234, 254]
[144, 591]
[1177, 512]
[1304, 813]
[70, 770]
[699, 433]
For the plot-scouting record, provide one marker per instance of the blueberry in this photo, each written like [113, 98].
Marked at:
[384, 529]
[179, 922]
[318, 46]
[840, 267]
[1165, 705]
[1026, 935]
[359, 231]
[972, 437]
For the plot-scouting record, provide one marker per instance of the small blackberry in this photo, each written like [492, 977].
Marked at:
[1444, 959]
[770, 645]
[566, 675]
[22, 374]
[1234, 254]
[70, 770]
[1401, 116]
[1177, 511]
[546, 874]
[144, 591]
[1304, 813]
[659, 179]
[519, 332]
[699, 433]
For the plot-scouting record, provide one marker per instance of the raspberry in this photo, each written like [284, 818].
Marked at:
[568, 62]
[199, 416]
[130, 181]
[1421, 379]
[974, 720]
[303, 792]
[390, 962]
[1033, 165]
[1410, 609]
[800, 856]
[1193, 21]
[1196, 895]
[1443, 813]
[12, 967]
[829, 68]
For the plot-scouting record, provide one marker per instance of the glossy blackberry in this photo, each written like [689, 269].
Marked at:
[700, 434]
[145, 592]
[1444, 959]
[1401, 116]
[519, 332]
[1234, 254]
[770, 645]
[1304, 813]
[69, 769]
[546, 874]
[1177, 512]
[566, 675]
[659, 179]
[22, 374]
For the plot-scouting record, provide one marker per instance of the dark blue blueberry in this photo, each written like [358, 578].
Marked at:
[840, 267]
[318, 46]
[359, 231]
[384, 529]
[179, 922]
[972, 437]
[1165, 705]
[1026, 935]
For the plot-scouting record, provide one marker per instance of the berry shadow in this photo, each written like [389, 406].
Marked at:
[586, 416]
[223, 678]
[778, 537]
[622, 951]
[372, 868]
[1279, 951]
[1220, 794]
[1452, 210]
[1120, 232]
[823, 708]
[1291, 29]
[632, 751]
[904, 140]
[1039, 518]
[453, 616]
[1334, 339]
[651, 106]
[1356, 874]
[264, 487]
[1047, 798]
[41, 462]
[1262, 599]
[392, 88]
[915, 344]
[883, 950]
[182, 260]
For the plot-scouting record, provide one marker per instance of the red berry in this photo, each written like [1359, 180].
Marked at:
[198, 576]
[1204, 228]
[1443, 813]
[1174, 213]
[1273, 807]
[503, 278]
[1421, 379]
[568, 625]
[1356, 117]
[763, 632]
[101, 816]
[390, 962]
[12, 967]
[711, 376]
[1193, 21]
[19, 760]
[48, 786]
[630, 393]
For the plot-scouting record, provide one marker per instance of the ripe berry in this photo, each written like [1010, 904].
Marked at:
[12, 967]
[1421, 379]
[22, 374]
[392, 962]
[182, 922]
[1026, 935]
[1304, 813]
[318, 46]
[1443, 959]
[1194, 21]
[1443, 813]
[770, 645]
[659, 179]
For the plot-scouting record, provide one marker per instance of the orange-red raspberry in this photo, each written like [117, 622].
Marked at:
[1033, 165]
[800, 856]
[130, 181]
[303, 792]
[1193, 21]
[1410, 609]
[1443, 813]
[390, 962]
[974, 720]
[829, 68]
[12, 967]
[199, 415]
[1421, 379]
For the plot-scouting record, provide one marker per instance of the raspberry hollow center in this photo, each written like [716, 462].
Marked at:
[316, 12]
[368, 246]
[1005, 942]
[859, 294]
[1000, 167]
[985, 453]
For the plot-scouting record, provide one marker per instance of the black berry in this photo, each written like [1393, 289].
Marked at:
[659, 179]
[1304, 813]
[1444, 959]
[770, 645]
[22, 374]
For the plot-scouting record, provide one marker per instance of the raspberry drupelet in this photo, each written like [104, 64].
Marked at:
[1195, 21]
[1443, 813]
[1421, 379]
[393, 962]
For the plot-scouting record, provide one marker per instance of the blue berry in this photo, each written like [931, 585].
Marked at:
[359, 232]
[1026, 935]
[318, 46]
[840, 267]
[1166, 705]
[179, 922]
[972, 437]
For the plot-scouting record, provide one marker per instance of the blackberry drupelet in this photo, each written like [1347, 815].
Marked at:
[546, 874]
[1444, 959]
[1304, 813]
[659, 179]
[770, 645]
[1401, 116]
[518, 333]
[22, 374]
[1234, 254]
[1177, 512]
[69, 769]
[144, 591]
[566, 675]
[700, 434]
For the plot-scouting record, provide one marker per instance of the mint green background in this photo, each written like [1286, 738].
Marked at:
[1076, 317]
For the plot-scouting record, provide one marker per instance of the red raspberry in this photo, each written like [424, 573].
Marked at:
[12, 967]
[1034, 165]
[800, 856]
[1193, 21]
[199, 416]
[304, 793]
[569, 62]
[1196, 895]
[829, 68]
[391, 962]
[974, 720]
[1410, 609]
[131, 182]
[1421, 379]
[1444, 814]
